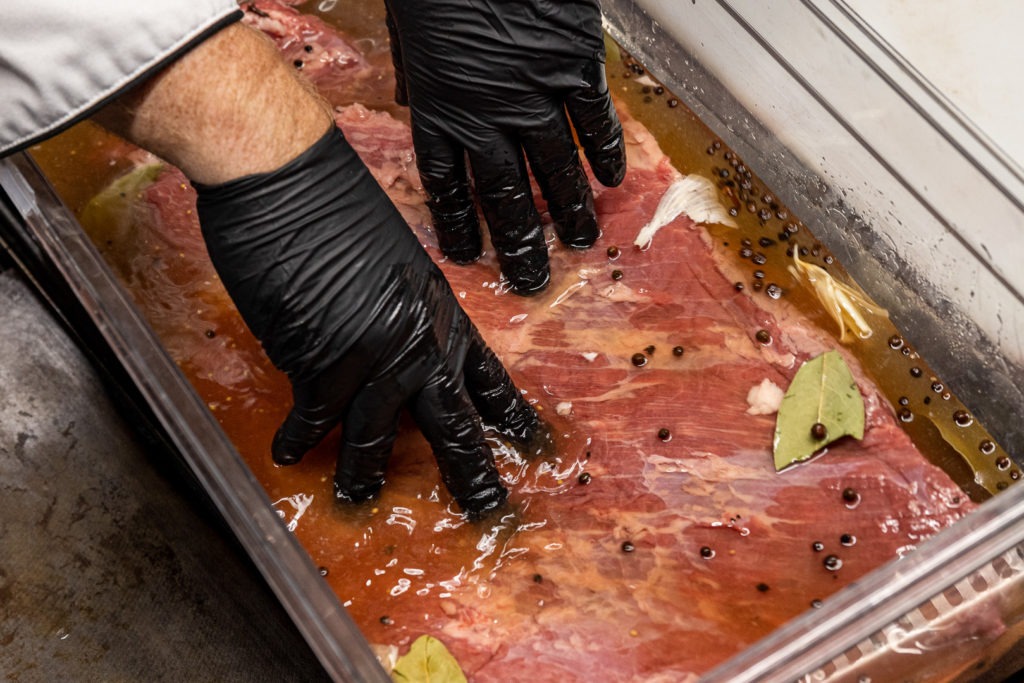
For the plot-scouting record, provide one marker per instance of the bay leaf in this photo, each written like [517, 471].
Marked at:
[110, 216]
[427, 661]
[823, 391]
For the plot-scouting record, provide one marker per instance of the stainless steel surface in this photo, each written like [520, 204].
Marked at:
[241, 501]
[919, 206]
[108, 571]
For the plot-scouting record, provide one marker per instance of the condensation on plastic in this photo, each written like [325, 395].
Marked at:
[332, 635]
[926, 213]
[921, 208]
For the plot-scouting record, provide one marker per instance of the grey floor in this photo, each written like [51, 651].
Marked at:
[109, 569]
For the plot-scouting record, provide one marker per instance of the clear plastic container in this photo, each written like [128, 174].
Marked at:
[918, 206]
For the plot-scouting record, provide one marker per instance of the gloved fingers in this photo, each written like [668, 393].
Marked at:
[597, 126]
[503, 186]
[497, 400]
[401, 87]
[442, 167]
[305, 426]
[556, 166]
[368, 435]
[445, 414]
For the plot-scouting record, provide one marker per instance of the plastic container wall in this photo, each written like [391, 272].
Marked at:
[241, 501]
[925, 212]
[920, 207]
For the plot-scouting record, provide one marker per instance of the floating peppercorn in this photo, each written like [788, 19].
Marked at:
[664, 434]
[323, 571]
[987, 446]
[673, 103]
[738, 286]
[386, 620]
[818, 431]
[850, 495]
[297, 63]
[628, 547]
[962, 418]
[847, 539]
[677, 351]
[763, 587]
[707, 553]
[210, 334]
[763, 336]
[639, 360]
[816, 604]
[537, 578]
[832, 563]
[895, 342]
[915, 371]
[307, 48]
[613, 252]
[616, 274]
[817, 546]
[584, 478]
[649, 350]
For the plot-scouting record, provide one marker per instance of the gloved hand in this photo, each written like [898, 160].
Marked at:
[492, 80]
[344, 299]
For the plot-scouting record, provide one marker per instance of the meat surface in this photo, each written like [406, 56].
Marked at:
[627, 553]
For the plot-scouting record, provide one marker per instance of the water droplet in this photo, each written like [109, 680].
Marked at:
[817, 546]
[895, 342]
[1003, 463]
[988, 447]
[628, 547]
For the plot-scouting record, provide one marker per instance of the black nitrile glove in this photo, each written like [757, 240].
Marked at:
[328, 276]
[492, 80]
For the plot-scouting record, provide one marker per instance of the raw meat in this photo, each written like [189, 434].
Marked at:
[628, 553]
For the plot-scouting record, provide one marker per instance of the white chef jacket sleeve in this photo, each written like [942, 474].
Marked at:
[61, 60]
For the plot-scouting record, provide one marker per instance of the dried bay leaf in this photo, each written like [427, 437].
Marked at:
[427, 661]
[822, 392]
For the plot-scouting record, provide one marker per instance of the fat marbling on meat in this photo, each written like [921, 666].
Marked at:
[656, 539]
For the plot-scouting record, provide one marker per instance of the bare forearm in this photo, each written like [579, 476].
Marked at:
[228, 108]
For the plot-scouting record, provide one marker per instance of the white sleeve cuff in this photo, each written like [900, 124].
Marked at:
[60, 61]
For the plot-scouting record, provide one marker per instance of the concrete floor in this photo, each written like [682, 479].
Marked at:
[109, 569]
